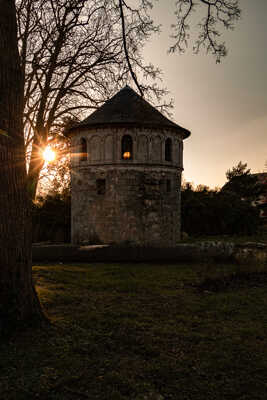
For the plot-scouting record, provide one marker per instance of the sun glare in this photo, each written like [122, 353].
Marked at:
[48, 154]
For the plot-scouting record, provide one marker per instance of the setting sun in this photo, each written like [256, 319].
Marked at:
[48, 154]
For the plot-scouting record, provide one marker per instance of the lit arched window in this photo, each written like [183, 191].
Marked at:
[127, 147]
[83, 149]
[168, 150]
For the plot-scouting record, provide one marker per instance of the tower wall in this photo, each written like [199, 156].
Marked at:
[135, 201]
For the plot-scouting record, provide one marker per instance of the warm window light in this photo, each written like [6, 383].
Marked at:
[126, 155]
[48, 154]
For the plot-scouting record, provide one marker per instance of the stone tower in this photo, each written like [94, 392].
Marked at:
[126, 165]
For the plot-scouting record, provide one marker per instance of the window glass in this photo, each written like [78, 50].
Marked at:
[168, 150]
[127, 148]
[83, 149]
[101, 186]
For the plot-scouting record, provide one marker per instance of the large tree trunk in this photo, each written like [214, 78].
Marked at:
[18, 299]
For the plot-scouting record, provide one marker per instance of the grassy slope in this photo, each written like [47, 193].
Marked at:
[143, 332]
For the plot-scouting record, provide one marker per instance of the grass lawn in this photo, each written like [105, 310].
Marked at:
[140, 331]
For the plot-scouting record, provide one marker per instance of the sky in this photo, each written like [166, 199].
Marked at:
[223, 105]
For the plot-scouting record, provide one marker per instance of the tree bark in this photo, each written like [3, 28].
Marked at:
[18, 300]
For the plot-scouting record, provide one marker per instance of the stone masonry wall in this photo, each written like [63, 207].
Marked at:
[136, 207]
[104, 146]
[126, 201]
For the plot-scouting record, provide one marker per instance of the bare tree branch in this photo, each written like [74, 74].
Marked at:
[126, 50]
[76, 54]
[224, 13]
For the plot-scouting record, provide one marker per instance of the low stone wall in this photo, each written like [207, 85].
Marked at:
[247, 253]
[251, 253]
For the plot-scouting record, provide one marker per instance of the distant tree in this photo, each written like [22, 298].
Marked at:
[199, 210]
[55, 177]
[217, 212]
[242, 183]
[236, 215]
[203, 188]
[51, 215]
[239, 170]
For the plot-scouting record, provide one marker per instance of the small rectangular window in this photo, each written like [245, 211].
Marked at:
[168, 186]
[83, 150]
[168, 150]
[101, 186]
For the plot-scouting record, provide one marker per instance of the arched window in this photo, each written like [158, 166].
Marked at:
[127, 148]
[168, 150]
[83, 149]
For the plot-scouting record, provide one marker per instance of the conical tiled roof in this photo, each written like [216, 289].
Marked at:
[128, 108]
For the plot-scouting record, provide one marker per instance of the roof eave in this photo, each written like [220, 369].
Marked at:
[179, 129]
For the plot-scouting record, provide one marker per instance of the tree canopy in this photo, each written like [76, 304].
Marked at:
[230, 210]
[75, 54]
[242, 183]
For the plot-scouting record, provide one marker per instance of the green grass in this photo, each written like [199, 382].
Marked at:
[140, 331]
